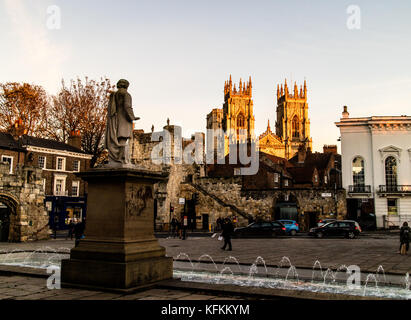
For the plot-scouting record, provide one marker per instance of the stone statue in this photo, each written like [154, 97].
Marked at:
[119, 128]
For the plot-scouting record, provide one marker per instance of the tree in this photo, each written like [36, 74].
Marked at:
[81, 106]
[25, 103]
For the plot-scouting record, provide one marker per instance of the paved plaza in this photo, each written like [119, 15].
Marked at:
[368, 252]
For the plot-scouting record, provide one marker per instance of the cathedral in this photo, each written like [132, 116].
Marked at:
[292, 128]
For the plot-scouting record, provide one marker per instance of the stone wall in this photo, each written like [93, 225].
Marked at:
[23, 193]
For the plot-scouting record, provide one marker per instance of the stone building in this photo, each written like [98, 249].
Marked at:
[376, 168]
[22, 213]
[52, 166]
[167, 201]
[292, 127]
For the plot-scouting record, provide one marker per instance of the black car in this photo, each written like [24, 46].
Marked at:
[260, 230]
[341, 228]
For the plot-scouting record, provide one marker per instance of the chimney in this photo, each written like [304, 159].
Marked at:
[345, 113]
[302, 153]
[330, 149]
[18, 129]
[74, 139]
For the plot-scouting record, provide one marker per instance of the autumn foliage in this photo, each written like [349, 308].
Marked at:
[79, 106]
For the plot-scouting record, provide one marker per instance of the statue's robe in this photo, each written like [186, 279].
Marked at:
[120, 118]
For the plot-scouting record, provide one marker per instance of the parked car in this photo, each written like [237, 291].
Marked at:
[347, 228]
[291, 226]
[260, 230]
[325, 221]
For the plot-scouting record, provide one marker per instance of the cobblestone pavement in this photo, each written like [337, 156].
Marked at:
[28, 288]
[368, 253]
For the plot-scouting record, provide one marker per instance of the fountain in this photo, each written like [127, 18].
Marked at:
[230, 271]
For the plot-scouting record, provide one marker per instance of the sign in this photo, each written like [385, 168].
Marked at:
[326, 195]
[182, 200]
[185, 221]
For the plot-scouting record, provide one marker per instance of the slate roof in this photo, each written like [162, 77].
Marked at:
[49, 144]
[7, 142]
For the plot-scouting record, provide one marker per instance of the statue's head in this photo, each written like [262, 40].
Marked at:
[123, 84]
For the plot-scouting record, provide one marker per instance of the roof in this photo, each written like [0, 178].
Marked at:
[49, 144]
[7, 142]
[302, 174]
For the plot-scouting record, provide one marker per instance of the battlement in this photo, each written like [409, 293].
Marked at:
[297, 94]
[244, 89]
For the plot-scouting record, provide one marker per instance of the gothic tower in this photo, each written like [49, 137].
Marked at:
[293, 125]
[238, 112]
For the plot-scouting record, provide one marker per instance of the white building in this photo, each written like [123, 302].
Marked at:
[376, 167]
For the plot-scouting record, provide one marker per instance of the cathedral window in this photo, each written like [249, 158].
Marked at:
[295, 127]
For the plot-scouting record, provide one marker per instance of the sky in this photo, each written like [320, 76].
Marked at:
[177, 54]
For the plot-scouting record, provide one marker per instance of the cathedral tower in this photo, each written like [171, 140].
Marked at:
[238, 111]
[293, 125]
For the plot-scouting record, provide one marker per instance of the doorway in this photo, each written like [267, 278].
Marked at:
[5, 212]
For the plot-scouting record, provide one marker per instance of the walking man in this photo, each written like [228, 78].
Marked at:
[405, 238]
[228, 229]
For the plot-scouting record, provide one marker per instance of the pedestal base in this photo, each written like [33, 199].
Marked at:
[116, 275]
[119, 250]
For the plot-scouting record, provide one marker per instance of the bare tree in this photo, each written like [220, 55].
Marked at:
[81, 106]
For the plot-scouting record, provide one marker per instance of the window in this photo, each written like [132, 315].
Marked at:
[325, 179]
[358, 172]
[285, 183]
[76, 166]
[240, 121]
[316, 178]
[276, 177]
[392, 207]
[60, 185]
[295, 127]
[44, 186]
[61, 164]
[391, 173]
[75, 188]
[9, 160]
[42, 162]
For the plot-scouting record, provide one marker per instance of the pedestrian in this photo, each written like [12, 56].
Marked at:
[405, 233]
[174, 224]
[228, 229]
[70, 230]
[219, 223]
[78, 232]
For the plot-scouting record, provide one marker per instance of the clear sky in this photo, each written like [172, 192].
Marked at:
[177, 54]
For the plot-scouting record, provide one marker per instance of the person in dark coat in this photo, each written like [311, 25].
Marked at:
[405, 234]
[219, 223]
[227, 233]
[78, 232]
[174, 225]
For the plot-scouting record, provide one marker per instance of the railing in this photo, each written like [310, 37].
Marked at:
[359, 189]
[394, 189]
[61, 193]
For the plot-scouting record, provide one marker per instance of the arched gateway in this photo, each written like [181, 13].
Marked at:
[22, 213]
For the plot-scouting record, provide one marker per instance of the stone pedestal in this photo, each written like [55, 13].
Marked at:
[119, 250]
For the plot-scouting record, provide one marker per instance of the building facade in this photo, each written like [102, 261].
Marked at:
[376, 168]
[292, 127]
[55, 165]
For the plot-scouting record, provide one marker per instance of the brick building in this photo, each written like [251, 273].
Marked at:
[65, 193]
